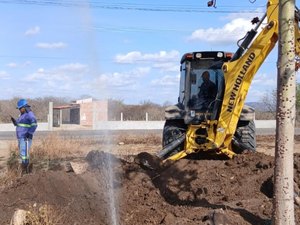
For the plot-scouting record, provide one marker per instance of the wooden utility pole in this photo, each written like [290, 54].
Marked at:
[283, 205]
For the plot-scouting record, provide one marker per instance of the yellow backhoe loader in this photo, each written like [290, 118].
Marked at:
[210, 117]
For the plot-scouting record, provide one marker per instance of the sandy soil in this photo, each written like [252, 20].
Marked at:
[266, 145]
[115, 190]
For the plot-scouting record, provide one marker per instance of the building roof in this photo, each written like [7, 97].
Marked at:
[69, 106]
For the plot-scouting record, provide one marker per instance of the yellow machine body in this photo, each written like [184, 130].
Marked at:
[238, 75]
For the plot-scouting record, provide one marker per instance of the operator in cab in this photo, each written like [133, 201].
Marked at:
[208, 90]
[206, 95]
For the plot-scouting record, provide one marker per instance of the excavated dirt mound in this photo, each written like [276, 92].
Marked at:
[118, 191]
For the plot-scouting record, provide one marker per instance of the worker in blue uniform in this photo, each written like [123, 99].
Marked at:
[26, 125]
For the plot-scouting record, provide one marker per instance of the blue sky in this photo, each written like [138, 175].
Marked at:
[125, 50]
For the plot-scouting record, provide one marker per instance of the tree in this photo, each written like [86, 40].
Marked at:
[270, 101]
[283, 202]
[40, 106]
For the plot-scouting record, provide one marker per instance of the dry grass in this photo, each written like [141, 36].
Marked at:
[150, 139]
[44, 215]
[55, 147]
[45, 153]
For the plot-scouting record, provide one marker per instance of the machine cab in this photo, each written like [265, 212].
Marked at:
[202, 84]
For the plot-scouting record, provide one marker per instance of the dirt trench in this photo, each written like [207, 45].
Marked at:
[187, 192]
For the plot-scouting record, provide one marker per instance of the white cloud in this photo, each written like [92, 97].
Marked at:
[229, 33]
[117, 79]
[41, 70]
[167, 66]
[263, 79]
[12, 65]
[138, 57]
[15, 65]
[19, 91]
[53, 85]
[40, 74]
[167, 80]
[73, 79]
[61, 80]
[73, 67]
[256, 95]
[4, 75]
[68, 72]
[261, 85]
[246, 15]
[51, 45]
[140, 71]
[134, 86]
[32, 31]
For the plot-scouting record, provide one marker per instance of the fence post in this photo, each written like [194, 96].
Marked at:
[146, 116]
[95, 117]
[121, 116]
[50, 116]
[60, 117]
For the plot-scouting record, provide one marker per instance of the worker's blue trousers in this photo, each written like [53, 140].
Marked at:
[24, 146]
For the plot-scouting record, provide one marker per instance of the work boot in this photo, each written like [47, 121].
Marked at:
[24, 169]
[29, 168]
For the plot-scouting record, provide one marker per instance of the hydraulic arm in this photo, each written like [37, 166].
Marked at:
[238, 75]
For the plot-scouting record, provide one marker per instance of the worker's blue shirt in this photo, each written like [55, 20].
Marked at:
[26, 125]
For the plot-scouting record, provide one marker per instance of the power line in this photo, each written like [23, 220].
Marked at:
[35, 57]
[145, 29]
[127, 6]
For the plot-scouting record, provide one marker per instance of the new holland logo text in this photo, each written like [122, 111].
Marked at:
[238, 82]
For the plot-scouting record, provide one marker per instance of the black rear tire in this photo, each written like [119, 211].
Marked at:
[173, 129]
[245, 137]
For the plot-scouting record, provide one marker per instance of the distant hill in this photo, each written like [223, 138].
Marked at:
[258, 106]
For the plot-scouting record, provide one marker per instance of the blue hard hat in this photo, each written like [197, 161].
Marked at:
[21, 103]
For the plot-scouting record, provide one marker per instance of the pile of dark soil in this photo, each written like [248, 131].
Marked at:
[118, 191]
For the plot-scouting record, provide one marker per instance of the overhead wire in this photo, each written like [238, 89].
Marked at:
[127, 6]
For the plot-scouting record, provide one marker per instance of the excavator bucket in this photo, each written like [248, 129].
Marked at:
[158, 161]
[148, 161]
[151, 162]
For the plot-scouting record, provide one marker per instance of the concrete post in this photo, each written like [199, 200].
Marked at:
[146, 116]
[94, 117]
[121, 116]
[50, 116]
[60, 117]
